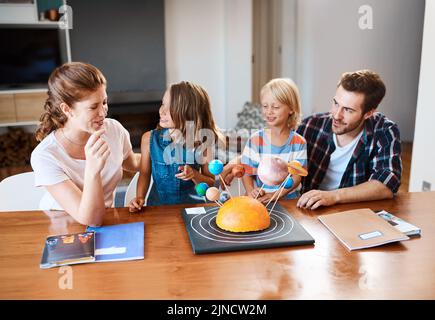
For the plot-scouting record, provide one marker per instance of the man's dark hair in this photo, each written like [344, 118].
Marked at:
[366, 82]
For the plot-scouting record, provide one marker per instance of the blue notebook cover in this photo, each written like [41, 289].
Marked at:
[119, 242]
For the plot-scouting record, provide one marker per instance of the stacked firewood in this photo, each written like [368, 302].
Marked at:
[16, 146]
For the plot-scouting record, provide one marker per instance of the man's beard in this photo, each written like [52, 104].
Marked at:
[347, 128]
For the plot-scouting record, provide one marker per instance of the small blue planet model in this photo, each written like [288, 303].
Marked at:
[215, 167]
[201, 189]
[289, 183]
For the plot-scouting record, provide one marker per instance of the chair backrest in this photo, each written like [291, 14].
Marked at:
[18, 193]
[131, 189]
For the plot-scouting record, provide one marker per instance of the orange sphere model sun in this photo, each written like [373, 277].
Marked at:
[243, 214]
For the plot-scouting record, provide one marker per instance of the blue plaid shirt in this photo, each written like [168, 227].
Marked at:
[376, 155]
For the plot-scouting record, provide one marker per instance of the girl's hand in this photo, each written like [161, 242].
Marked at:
[257, 192]
[227, 173]
[136, 204]
[96, 152]
[186, 174]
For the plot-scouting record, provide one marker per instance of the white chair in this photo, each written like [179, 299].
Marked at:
[18, 193]
[131, 190]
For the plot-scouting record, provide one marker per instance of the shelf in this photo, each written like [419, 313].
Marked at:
[33, 25]
[14, 91]
[18, 124]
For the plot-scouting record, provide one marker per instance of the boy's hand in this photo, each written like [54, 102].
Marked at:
[136, 204]
[257, 192]
[187, 173]
[262, 195]
[267, 196]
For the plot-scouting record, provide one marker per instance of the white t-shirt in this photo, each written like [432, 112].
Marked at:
[338, 163]
[52, 164]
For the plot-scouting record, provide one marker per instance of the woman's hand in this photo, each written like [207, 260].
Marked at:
[136, 204]
[187, 173]
[96, 151]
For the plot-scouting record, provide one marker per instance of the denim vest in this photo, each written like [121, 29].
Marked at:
[168, 189]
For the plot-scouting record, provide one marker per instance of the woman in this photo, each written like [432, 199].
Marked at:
[81, 155]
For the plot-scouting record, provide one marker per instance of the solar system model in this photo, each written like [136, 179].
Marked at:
[243, 213]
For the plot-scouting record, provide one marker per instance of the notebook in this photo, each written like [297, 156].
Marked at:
[361, 228]
[68, 249]
[119, 242]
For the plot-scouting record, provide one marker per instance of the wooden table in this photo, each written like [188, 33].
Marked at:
[170, 270]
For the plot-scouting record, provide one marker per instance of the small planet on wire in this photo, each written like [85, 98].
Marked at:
[201, 189]
[296, 168]
[289, 183]
[272, 171]
[213, 194]
[215, 167]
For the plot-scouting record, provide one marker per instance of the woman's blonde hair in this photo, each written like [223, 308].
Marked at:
[286, 92]
[69, 83]
[191, 102]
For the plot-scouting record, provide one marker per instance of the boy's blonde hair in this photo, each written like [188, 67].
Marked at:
[286, 92]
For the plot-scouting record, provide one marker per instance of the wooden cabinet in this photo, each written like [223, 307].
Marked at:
[7, 108]
[21, 107]
[29, 106]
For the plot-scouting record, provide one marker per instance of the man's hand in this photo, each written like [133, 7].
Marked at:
[316, 198]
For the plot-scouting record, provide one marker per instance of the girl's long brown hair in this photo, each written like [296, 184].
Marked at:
[67, 84]
[191, 102]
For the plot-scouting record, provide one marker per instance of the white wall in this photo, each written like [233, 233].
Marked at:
[330, 42]
[209, 42]
[288, 38]
[423, 153]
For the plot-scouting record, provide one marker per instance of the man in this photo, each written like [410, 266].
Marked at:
[353, 151]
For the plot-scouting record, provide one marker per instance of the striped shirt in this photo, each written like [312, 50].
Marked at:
[376, 156]
[259, 146]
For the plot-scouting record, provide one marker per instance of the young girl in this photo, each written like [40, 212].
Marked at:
[174, 167]
[281, 111]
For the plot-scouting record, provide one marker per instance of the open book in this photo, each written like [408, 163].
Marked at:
[361, 228]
